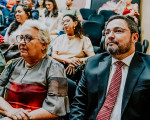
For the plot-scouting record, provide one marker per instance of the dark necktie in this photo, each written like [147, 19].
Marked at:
[106, 110]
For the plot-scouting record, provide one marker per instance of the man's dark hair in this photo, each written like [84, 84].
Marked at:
[55, 9]
[131, 24]
[78, 31]
[33, 1]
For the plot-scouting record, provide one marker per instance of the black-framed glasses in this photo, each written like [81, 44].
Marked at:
[115, 31]
[27, 38]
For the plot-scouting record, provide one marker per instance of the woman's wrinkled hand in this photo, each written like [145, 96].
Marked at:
[70, 69]
[19, 114]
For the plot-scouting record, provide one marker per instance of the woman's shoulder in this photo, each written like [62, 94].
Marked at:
[53, 63]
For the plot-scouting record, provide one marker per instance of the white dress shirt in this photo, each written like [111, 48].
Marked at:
[116, 113]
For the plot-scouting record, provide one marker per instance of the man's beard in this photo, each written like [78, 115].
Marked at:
[119, 49]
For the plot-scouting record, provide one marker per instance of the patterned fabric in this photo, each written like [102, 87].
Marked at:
[41, 86]
[106, 110]
[21, 95]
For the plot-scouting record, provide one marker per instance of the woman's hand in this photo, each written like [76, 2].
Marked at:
[74, 61]
[19, 114]
[70, 69]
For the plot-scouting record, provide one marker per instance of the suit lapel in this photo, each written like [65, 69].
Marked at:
[102, 76]
[135, 69]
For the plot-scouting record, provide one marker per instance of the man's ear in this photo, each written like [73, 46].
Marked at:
[135, 37]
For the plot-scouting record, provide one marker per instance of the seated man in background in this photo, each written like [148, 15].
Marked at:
[71, 10]
[30, 4]
[115, 86]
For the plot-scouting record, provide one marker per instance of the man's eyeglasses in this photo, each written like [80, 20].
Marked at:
[115, 31]
[27, 38]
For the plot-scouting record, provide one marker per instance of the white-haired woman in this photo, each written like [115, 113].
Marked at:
[35, 85]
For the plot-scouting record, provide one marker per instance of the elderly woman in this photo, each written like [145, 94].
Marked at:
[22, 13]
[35, 84]
[72, 48]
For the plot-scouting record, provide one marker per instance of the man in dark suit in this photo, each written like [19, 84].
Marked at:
[95, 98]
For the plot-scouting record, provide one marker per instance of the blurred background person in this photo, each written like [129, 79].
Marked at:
[71, 10]
[40, 6]
[36, 84]
[52, 18]
[11, 16]
[125, 7]
[10, 4]
[73, 48]
[30, 4]
[22, 13]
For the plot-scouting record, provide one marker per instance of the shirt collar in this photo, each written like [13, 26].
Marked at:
[126, 60]
[68, 8]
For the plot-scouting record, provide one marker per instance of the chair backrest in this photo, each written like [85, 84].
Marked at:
[93, 31]
[107, 14]
[85, 12]
[97, 18]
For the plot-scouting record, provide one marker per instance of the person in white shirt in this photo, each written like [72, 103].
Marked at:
[52, 18]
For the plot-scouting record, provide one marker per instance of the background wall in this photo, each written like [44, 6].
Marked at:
[145, 21]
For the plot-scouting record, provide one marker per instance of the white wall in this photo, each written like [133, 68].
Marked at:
[145, 21]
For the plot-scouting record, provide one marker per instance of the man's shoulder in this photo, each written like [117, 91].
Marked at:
[99, 57]
[144, 57]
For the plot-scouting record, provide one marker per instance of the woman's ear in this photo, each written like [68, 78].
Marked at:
[28, 14]
[44, 46]
[75, 23]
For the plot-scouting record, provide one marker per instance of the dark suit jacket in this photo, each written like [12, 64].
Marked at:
[91, 91]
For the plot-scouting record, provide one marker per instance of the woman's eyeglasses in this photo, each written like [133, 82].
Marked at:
[27, 38]
[67, 21]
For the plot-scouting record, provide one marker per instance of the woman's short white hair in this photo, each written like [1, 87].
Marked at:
[43, 31]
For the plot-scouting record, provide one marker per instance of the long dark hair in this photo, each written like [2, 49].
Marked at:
[55, 9]
[78, 31]
[37, 4]
[15, 24]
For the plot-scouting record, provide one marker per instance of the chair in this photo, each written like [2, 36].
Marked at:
[97, 18]
[87, 12]
[94, 31]
[145, 46]
[107, 14]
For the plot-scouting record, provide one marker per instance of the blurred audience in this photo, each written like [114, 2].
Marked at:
[71, 10]
[10, 4]
[3, 4]
[36, 84]
[22, 13]
[11, 16]
[73, 48]
[125, 7]
[52, 18]
[30, 4]
[40, 6]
